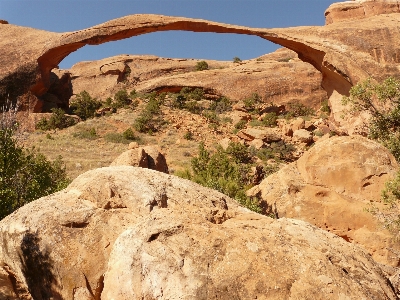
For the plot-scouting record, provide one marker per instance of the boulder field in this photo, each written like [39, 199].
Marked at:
[344, 52]
[131, 233]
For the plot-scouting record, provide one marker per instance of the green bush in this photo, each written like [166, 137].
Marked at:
[221, 105]
[220, 172]
[297, 109]
[241, 124]
[147, 120]
[201, 66]
[85, 106]
[325, 107]
[188, 135]
[270, 120]
[117, 138]
[121, 99]
[251, 102]
[382, 101]
[236, 59]
[239, 152]
[25, 175]
[57, 120]
[129, 135]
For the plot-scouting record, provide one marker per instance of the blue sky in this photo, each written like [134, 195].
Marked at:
[70, 15]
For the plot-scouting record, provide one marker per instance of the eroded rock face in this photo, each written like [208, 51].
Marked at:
[360, 9]
[331, 185]
[133, 233]
[279, 77]
[149, 157]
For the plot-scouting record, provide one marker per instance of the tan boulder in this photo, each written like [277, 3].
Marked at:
[169, 238]
[331, 185]
[267, 135]
[297, 124]
[302, 136]
[224, 143]
[257, 143]
[148, 157]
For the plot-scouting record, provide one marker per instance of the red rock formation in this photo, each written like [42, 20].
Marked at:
[359, 9]
[343, 52]
[279, 77]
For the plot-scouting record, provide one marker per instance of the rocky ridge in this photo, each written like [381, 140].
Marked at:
[279, 77]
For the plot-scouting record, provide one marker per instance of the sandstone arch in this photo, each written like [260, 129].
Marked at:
[343, 52]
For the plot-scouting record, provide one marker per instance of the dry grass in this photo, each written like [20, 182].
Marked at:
[81, 155]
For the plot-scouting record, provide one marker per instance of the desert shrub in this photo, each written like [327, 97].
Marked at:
[25, 175]
[241, 124]
[188, 135]
[57, 120]
[129, 135]
[193, 107]
[121, 99]
[187, 99]
[255, 122]
[117, 138]
[218, 171]
[251, 102]
[297, 109]
[325, 107]
[211, 116]
[88, 134]
[236, 59]
[239, 152]
[201, 66]
[84, 106]
[265, 154]
[148, 120]
[221, 105]
[270, 120]
[382, 101]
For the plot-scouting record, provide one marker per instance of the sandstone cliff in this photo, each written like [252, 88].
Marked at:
[279, 77]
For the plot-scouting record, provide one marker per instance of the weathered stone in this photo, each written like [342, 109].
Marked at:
[302, 136]
[148, 157]
[170, 238]
[257, 143]
[267, 135]
[359, 9]
[331, 185]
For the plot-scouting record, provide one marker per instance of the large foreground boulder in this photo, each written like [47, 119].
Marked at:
[331, 186]
[133, 233]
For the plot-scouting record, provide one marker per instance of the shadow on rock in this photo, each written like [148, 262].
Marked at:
[37, 269]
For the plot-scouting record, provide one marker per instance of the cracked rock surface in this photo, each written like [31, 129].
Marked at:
[331, 186]
[131, 233]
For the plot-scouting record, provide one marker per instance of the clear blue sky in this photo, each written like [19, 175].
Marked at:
[70, 15]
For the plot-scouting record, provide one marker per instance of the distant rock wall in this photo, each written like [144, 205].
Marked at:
[360, 9]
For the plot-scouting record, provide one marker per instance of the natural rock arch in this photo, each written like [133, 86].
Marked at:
[343, 52]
